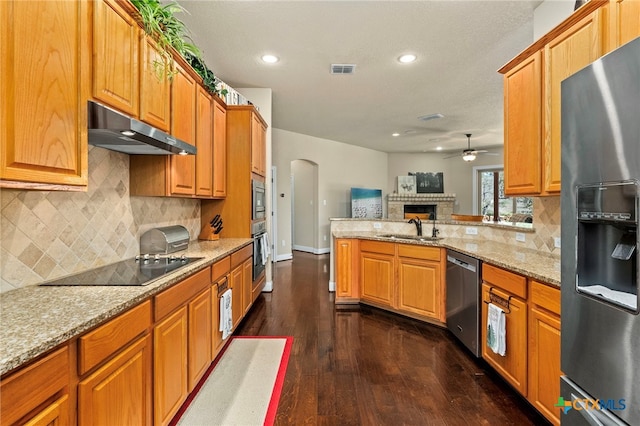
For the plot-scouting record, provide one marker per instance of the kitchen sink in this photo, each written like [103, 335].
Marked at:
[409, 237]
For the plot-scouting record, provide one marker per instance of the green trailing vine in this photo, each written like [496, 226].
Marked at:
[161, 23]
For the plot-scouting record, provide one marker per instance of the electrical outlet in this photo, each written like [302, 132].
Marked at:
[556, 242]
[377, 225]
[471, 230]
[520, 237]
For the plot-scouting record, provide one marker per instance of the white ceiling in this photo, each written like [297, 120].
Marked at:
[460, 46]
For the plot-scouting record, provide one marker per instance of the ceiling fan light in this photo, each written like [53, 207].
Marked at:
[468, 157]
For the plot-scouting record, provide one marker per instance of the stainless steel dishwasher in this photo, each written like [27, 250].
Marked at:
[463, 299]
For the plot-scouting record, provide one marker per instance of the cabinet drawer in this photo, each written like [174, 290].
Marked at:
[241, 255]
[180, 293]
[97, 345]
[513, 283]
[378, 247]
[27, 389]
[419, 252]
[545, 296]
[220, 268]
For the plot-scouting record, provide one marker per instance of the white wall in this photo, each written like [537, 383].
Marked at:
[457, 174]
[305, 209]
[549, 14]
[340, 167]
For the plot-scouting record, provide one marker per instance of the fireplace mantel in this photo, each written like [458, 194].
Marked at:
[443, 202]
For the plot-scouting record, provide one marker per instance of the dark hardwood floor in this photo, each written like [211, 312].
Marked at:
[367, 367]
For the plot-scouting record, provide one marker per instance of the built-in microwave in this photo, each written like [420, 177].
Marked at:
[258, 210]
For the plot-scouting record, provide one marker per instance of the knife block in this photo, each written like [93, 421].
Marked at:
[208, 235]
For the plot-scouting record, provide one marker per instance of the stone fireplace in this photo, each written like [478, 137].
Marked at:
[412, 204]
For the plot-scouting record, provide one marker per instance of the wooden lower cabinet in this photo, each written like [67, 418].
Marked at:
[247, 285]
[118, 393]
[55, 414]
[200, 336]
[377, 272]
[513, 366]
[544, 350]
[170, 366]
[27, 390]
[420, 287]
[236, 280]
[345, 271]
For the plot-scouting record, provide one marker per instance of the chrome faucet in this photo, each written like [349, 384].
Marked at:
[416, 221]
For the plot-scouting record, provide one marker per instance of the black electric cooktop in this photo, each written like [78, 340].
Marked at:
[132, 272]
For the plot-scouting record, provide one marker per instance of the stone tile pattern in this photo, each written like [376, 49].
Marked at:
[50, 234]
[444, 204]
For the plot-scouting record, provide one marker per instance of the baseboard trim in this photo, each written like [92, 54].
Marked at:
[268, 287]
[286, 256]
[332, 286]
[312, 249]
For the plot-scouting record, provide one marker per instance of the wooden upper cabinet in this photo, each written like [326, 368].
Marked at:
[43, 94]
[567, 53]
[258, 146]
[155, 105]
[523, 127]
[115, 56]
[624, 23]
[183, 126]
[204, 143]
[219, 149]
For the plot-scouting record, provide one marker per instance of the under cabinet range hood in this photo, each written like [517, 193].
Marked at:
[113, 130]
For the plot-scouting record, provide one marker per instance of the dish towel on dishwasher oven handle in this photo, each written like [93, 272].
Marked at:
[226, 319]
[496, 330]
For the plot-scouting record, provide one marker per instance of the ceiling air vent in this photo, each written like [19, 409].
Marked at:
[342, 68]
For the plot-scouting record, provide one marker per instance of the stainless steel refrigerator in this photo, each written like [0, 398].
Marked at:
[600, 262]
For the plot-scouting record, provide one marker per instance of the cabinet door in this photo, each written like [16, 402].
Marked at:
[204, 143]
[45, 48]
[119, 392]
[419, 287]
[513, 366]
[32, 386]
[625, 22]
[219, 150]
[236, 282]
[55, 414]
[183, 104]
[544, 363]
[345, 269]
[155, 106]
[377, 277]
[247, 285]
[115, 56]
[564, 55]
[523, 127]
[170, 366]
[258, 139]
[216, 340]
[199, 337]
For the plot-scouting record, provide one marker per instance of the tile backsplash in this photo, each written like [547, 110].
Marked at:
[48, 234]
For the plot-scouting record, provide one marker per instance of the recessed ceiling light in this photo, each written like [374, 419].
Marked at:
[438, 148]
[408, 58]
[270, 59]
[395, 135]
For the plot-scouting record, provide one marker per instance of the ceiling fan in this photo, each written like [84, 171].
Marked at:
[470, 154]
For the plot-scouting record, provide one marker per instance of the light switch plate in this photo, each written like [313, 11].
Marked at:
[471, 230]
[556, 242]
[520, 237]
[377, 225]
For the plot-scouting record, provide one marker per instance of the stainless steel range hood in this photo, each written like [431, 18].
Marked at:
[113, 130]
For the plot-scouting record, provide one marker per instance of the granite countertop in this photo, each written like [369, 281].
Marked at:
[36, 319]
[544, 267]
